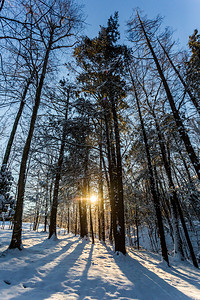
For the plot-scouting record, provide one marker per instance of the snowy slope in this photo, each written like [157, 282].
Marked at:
[71, 269]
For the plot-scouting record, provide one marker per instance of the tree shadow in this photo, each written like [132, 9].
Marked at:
[172, 270]
[146, 284]
[85, 272]
[39, 285]
[36, 249]
[190, 280]
[59, 274]
[35, 259]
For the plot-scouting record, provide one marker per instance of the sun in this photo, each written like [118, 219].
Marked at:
[93, 199]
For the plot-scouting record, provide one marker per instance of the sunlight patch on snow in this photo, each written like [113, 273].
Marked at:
[47, 268]
[176, 276]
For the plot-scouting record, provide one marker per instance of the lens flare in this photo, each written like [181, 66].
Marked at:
[93, 199]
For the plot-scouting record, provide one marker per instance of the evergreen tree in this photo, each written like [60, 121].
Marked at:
[101, 60]
[193, 65]
[6, 200]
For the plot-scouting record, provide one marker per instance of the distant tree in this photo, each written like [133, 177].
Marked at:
[6, 200]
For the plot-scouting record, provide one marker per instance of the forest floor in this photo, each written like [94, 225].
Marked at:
[70, 269]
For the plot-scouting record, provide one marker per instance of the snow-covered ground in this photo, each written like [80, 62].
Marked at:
[71, 269]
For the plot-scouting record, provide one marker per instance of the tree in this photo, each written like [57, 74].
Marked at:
[145, 37]
[52, 226]
[152, 180]
[180, 125]
[184, 83]
[1, 4]
[6, 201]
[55, 21]
[101, 60]
[193, 65]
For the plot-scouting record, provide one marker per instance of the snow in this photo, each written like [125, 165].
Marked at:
[69, 268]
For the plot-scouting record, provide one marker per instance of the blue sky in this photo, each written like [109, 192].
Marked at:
[183, 16]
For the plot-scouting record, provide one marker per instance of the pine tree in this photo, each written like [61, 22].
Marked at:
[193, 65]
[6, 200]
[101, 60]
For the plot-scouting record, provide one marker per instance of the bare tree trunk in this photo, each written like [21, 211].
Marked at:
[101, 201]
[152, 182]
[83, 215]
[68, 220]
[111, 228]
[76, 217]
[91, 224]
[53, 217]
[80, 219]
[46, 212]
[16, 241]
[99, 221]
[180, 126]
[46, 203]
[187, 89]
[1, 4]
[137, 227]
[173, 197]
[35, 224]
[184, 162]
[14, 128]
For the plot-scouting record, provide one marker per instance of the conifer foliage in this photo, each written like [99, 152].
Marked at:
[101, 61]
[6, 200]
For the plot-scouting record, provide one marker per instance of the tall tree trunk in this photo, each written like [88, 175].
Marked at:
[174, 202]
[16, 241]
[180, 126]
[184, 162]
[152, 182]
[99, 222]
[187, 89]
[111, 228]
[53, 217]
[194, 260]
[83, 220]
[111, 167]
[36, 219]
[46, 213]
[137, 227]
[91, 223]
[80, 219]
[76, 220]
[46, 204]
[101, 200]
[68, 220]
[173, 197]
[14, 128]
[120, 233]
[1, 4]
[85, 195]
